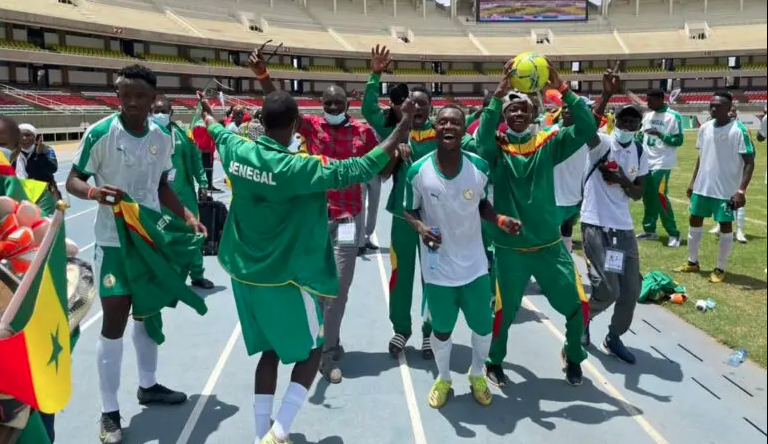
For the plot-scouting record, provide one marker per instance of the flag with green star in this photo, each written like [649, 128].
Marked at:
[35, 365]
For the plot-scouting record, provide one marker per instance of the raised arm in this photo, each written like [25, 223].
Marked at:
[370, 108]
[611, 86]
[258, 65]
[485, 137]
[569, 140]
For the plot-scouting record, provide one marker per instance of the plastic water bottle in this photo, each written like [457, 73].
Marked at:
[711, 304]
[433, 256]
[737, 358]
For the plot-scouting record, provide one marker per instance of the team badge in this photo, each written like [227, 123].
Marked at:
[724, 136]
[153, 150]
[468, 194]
[109, 280]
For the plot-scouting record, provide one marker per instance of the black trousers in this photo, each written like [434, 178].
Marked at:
[208, 166]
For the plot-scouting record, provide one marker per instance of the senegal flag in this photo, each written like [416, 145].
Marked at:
[158, 251]
[36, 358]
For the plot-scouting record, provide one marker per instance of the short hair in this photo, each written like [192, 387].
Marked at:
[421, 89]
[656, 92]
[138, 72]
[725, 95]
[454, 106]
[279, 110]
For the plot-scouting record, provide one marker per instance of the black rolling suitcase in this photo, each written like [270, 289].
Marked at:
[213, 214]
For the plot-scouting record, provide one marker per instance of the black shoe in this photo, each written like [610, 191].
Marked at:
[111, 432]
[159, 394]
[215, 190]
[586, 340]
[361, 251]
[426, 349]
[338, 352]
[202, 283]
[615, 347]
[371, 246]
[397, 344]
[495, 375]
[573, 373]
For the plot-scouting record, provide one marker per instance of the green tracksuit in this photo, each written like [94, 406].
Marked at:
[187, 169]
[404, 240]
[523, 177]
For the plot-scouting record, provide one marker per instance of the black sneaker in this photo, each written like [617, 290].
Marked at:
[361, 251]
[213, 189]
[615, 347]
[111, 432]
[371, 246]
[573, 373]
[338, 352]
[202, 283]
[397, 344]
[495, 375]
[159, 394]
[426, 349]
[586, 340]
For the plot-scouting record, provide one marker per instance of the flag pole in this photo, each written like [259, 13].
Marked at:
[42, 254]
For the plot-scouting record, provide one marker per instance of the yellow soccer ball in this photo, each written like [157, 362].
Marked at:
[530, 72]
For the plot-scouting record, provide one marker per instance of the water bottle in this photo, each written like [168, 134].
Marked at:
[433, 256]
[737, 358]
[711, 304]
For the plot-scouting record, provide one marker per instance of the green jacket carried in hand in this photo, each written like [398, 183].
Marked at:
[277, 227]
[523, 172]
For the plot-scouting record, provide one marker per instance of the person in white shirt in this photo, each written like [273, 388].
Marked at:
[720, 179]
[445, 198]
[125, 152]
[617, 169]
[661, 135]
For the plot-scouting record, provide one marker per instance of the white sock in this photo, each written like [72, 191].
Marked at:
[109, 359]
[741, 217]
[568, 241]
[146, 355]
[481, 346]
[262, 409]
[694, 243]
[724, 249]
[442, 352]
[294, 398]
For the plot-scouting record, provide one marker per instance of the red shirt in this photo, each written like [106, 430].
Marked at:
[350, 139]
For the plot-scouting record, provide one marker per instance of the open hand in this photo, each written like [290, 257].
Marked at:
[257, 63]
[404, 152]
[555, 82]
[612, 81]
[206, 107]
[503, 87]
[380, 59]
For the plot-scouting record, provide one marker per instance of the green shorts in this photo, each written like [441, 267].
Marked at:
[285, 319]
[717, 209]
[109, 271]
[444, 303]
[569, 212]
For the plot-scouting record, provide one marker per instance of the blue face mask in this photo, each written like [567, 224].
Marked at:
[161, 119]
[335, 119]
[513, 133]
[623, 137]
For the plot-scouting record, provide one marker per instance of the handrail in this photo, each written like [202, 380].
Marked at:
[39, 100]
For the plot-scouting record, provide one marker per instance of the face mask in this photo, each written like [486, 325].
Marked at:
[162, 119]
[335, 119]
[295, 145]
[623, 137]
[519, 135]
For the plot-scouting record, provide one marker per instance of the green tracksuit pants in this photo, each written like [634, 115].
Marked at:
[188, 198]
[553, 268]
[404, 247]
[657, 204]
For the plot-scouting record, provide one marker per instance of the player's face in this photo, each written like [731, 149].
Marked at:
[655, 103]
[423, 106]
[27, 139]
[162, 107]
[136, 98]
[629, 122]
[518, 115]
[719, 108]
[335, 102]
[450, 128]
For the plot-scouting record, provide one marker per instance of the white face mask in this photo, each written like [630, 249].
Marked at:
[295, 145]
[335, 119]
[623, 137]
[519, 135]
[162, 119]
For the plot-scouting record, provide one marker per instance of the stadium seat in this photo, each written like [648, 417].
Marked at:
[161, 58]
[91, 52]
[18, 45]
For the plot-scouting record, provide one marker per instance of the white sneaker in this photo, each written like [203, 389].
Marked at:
[674, 242]
[647, 236]
[741, 237]
[715, 229]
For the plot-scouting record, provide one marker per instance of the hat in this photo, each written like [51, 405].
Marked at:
[26, 127]
[515, 95]
[630, 108]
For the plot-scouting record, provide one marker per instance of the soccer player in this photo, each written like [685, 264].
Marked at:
[338, 136]
[661, 135]
[283, 265]
[187, 169]
[523, 177]
[125, 153]
[446, 190]
[617, 168]
[720, 179]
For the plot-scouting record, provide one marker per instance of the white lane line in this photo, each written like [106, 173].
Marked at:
[91, 321]
[686, 202]
[601, 380]
[410, 395]
[189, 427]
[81, 213]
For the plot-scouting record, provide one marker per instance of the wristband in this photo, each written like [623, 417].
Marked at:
[742, 192]
[263, 76]
[89, 193]
[500, 221]
[563, 88]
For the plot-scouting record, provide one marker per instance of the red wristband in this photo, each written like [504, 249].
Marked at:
[563, 88]
[500, 221]
[89, 193]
